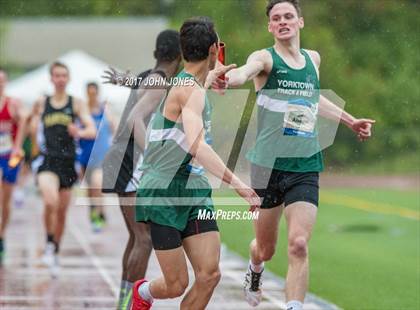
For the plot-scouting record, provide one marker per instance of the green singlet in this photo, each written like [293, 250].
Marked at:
[171, 189]
[287, 135]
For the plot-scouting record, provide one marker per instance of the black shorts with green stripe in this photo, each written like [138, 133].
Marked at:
[277, 187]
[167, 237]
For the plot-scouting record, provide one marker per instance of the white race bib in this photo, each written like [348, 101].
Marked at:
[6, 143]
[300, 118]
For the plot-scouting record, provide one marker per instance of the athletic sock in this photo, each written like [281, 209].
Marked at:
[1, 251]
[144, 292]
[256, 268]
[294, 305]
[123, 292]
[50, 238]
[128, 295]
[129, 285]
[56, 247]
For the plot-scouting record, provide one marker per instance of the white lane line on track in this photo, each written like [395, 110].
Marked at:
[95, 260]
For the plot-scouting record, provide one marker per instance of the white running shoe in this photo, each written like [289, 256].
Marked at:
[48, 256]
[55, 267]
[252, 290]
[18, 198]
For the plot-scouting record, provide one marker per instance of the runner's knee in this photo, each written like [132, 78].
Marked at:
[142, 243]
[298, 247]
[208, 279]
[130, 241]
[50, 201]
[131, 235]
[177, 288]
[266, 252]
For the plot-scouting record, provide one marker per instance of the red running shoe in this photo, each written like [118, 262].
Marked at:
[139, 303]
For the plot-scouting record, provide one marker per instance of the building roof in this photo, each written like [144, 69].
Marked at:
[83, 68]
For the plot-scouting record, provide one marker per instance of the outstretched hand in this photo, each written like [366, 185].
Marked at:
[220, 85]
[112, 76]
[363, 128]
[214, 74]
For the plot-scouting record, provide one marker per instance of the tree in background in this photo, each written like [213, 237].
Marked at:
[370, 52]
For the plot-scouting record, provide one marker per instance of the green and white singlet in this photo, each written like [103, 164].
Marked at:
[287, 135]
[171, 189]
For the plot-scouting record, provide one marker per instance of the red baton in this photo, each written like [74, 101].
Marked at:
[221, 56]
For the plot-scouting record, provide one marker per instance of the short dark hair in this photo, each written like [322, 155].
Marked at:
[57, 64]
[272, 3]
[167, 46]
[197, 35]
[92, 84]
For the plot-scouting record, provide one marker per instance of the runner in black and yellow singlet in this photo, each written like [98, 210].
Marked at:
[53, 123]
[58, 150]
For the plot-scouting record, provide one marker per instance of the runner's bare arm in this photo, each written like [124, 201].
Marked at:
[257, 62]
[145, 106]
[34, 121]
[35, 116]
[316, 58]
[362, 127]
[20, 115]
[89, 130]
[38, 106]
[202, 152]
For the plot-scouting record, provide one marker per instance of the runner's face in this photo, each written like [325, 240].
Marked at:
[60, 78]
[284, 22]
[214, 53]
[92, 93]
[3, 81]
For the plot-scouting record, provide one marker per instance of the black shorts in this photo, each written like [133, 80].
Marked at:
[168, 238]
[277, 187]
[62, 167]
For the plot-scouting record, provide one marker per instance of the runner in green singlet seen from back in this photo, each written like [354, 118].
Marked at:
[173, 187]
[286, 159]
[173, 162]
[120, 171]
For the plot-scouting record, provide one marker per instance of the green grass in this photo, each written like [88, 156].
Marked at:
[402, 164]
[359, 259]
[406, 199]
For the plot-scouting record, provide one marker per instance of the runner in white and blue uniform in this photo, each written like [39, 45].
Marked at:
[91, 154]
